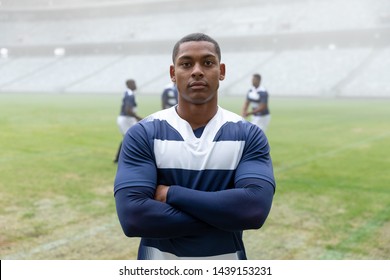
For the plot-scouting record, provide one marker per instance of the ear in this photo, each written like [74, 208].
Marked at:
[172, 73]
[222, 69]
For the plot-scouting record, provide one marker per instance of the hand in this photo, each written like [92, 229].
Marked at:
[246, 114]
[161, 193]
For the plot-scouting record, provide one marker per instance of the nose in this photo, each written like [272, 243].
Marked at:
[197, 70]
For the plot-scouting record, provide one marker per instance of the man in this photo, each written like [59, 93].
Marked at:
[169, 96]
[191, 178]
[127, 116]
[257, 98]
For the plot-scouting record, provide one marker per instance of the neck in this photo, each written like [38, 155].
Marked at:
[197, 115]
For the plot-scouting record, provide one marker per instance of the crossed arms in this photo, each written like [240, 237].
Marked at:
[150, 211]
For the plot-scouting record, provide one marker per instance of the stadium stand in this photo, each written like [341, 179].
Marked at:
[301, 47]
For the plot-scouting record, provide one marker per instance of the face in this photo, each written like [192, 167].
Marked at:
[256, 82]
[197, 72]
[131, 85]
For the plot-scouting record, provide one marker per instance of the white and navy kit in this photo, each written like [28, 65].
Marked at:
[123, 120]
[221, 183]
[128, 100]
[256, 96]
[169, 96]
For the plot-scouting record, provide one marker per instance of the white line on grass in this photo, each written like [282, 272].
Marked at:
[332, 152]
[61, 242]
[361, 233]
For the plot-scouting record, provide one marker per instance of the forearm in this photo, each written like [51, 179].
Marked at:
[244, 112]
[259, 109]
[142, 216]
[131, 113]
[134, 115]
[231, 210]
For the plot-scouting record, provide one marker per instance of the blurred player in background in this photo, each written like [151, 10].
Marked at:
[127, 117]
[169, 96]
[257, 99]
[192, 177]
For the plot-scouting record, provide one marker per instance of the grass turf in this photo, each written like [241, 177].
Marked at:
[331, 161]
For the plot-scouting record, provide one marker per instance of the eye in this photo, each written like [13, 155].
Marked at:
[185, 64]
[209, 62]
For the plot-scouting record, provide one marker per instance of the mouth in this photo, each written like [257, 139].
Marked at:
[197, 85]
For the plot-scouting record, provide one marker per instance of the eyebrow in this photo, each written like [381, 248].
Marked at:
[204, 57]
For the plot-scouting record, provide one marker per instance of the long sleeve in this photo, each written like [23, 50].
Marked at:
[244, 207]
[140, 215]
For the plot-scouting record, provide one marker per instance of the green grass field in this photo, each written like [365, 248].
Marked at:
[331, 159]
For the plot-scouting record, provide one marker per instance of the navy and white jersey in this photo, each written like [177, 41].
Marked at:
[169, 96]
[211, 173]
[128, 100]
[256, 96]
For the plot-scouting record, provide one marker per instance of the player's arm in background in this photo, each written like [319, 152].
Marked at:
[244, 112]
[244, 207]
[164, 97]
[262, 105]
[129, 109]
[138, 212]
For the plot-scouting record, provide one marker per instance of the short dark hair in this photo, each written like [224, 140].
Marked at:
[195, 37]
[130, 83]
[257, 76]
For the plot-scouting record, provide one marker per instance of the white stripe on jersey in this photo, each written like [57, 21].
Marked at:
[198, 153]
[223, 155]
[156, 254]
